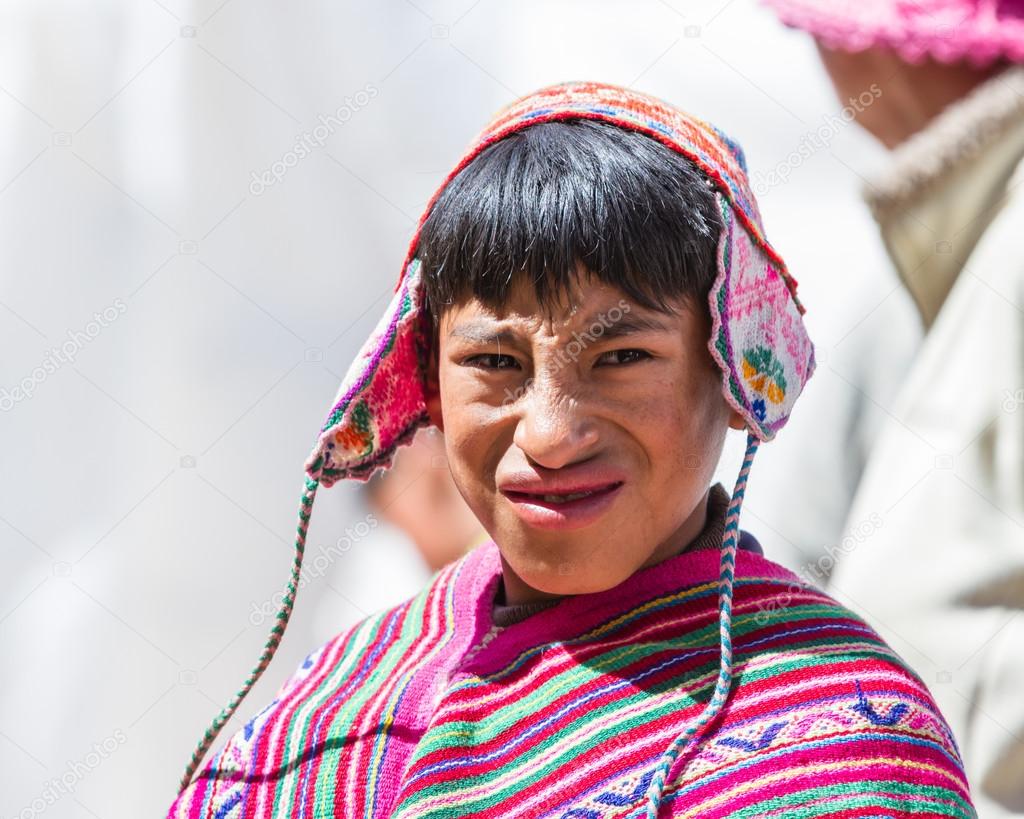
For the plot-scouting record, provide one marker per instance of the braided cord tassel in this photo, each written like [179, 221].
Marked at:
[730, 540]
[273, 640]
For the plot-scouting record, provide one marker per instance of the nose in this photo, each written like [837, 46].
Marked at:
[555, 427]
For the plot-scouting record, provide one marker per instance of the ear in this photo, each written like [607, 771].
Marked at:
[736, 420]
[432, 392]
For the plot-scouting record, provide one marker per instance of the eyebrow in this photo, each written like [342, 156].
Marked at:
[629, 324]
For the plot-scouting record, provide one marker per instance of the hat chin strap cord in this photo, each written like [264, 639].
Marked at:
[284, 613]
[663, 770]
[730, 540]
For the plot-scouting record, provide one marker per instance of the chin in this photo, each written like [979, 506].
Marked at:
[562, 580]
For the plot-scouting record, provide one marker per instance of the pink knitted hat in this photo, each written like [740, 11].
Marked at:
[980, 31]
[758, 340]
[758, 337]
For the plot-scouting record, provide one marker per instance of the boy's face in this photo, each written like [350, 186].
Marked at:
[585, 440]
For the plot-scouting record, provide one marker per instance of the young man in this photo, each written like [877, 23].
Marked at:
[588, 305]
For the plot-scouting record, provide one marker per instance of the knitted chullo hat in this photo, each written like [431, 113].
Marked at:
[979, 31]
[758, 341]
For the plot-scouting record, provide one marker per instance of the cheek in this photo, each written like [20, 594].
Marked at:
[473, 432]
[683, 430]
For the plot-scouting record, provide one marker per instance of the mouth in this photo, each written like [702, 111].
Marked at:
[560, 498]
[568, 508]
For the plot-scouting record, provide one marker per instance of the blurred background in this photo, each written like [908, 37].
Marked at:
[203, 210]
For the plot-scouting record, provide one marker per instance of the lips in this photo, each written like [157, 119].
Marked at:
[559, 497]
[561, 505]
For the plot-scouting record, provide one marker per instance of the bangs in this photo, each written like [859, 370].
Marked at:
[557, 195]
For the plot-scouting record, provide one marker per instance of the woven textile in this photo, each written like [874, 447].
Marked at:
[429, 710]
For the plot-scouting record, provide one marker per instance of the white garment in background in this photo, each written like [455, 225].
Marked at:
[943, 562]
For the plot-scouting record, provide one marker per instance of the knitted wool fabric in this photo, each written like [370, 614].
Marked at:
[758, 341]
[979, 31]
[428, 710]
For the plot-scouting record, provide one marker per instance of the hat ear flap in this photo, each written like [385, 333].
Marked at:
[758, 338]
[382, 399]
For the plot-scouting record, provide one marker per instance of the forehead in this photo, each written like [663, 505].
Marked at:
[587, 303]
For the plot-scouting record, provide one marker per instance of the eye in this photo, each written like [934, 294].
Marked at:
[618, 357]
[491, 361]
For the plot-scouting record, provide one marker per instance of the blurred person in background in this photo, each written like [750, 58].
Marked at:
[943, 562]
[419, 496]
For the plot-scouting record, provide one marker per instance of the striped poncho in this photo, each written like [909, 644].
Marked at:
[429, 709]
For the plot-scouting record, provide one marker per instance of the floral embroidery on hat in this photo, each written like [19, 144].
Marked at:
[765, 374]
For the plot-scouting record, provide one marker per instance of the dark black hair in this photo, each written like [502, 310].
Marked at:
[635, 213]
